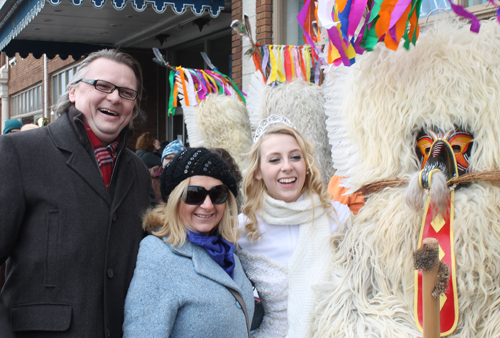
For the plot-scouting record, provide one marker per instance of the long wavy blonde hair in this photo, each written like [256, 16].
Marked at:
[164, 220]
[254, 189]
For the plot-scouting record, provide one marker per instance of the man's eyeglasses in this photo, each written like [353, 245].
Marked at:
[108, 88]
[196, 195]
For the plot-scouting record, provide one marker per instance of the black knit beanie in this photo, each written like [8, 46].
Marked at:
[194, 162]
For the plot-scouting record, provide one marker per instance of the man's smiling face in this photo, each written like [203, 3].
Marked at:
[105, 114]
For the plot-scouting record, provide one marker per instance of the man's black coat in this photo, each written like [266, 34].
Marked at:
[70, 245]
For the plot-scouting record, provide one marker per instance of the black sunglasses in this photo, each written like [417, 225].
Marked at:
[108, 88]
[196, 195]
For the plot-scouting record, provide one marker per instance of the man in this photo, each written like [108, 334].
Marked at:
[71, 201]
[12, 126]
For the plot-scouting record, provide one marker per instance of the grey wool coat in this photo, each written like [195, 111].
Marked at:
[182, 292]
[70, 244]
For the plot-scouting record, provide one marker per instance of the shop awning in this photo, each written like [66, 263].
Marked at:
[69, 27]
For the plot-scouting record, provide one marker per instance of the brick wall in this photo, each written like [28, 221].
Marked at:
[28, 72]
[264, 21]
[262, 12]
[236, 12]
[25, 73]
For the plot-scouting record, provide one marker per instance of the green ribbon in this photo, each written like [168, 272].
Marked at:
[240, 94]
[415, 8]
[370, 39]
[171, 108]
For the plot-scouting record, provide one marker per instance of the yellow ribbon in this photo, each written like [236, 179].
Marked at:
[281, 61]
[307, 60]
[274, 65]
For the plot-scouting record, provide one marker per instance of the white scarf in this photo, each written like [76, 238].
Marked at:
[310, 259]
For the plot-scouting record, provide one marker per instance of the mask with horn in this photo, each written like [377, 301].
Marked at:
[448, 152]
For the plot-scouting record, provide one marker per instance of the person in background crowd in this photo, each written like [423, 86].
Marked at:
[172, 149]
[12, 126]
[71, 204]
[287, 218]
[147, 150]
[29, 126]
[163, 144]
[188, 282]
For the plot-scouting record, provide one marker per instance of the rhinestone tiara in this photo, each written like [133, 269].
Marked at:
[266, 123]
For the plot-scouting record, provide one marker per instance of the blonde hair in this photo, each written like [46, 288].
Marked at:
[254, 189]
[164, 220]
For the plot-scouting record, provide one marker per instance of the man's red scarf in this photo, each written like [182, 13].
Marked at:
[105, 155]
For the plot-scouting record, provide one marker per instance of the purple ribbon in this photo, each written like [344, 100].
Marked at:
[265, 59]
[460, 11]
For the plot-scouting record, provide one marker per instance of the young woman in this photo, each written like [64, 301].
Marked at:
[188, 282]
[287, 218]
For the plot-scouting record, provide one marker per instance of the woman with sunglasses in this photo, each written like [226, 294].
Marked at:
[188, 282]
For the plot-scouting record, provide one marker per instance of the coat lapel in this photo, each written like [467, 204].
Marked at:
[79, 160]
[124, 179]
[205, 265]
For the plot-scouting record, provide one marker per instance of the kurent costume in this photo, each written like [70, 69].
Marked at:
[186, 287]
[292, 255]
[422, 143]
[70, 244]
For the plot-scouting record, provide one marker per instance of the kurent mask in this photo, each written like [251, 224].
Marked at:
[448, 152]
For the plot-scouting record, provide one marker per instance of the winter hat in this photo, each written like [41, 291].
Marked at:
[174, 147]
[11, 124]
[193, 162]
[29, 126]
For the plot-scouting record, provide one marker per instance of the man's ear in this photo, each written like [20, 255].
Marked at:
[72, 94]
[257, 175]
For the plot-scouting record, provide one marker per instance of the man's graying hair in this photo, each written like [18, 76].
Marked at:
[63, 104]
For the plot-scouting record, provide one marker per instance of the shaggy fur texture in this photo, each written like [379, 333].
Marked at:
[371, 294]
[220, 121]
[302, 103]
[449, 78]
[223, 123]
[441, 280]
[426, 258]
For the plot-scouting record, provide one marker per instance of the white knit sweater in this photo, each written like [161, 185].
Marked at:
[292, 239]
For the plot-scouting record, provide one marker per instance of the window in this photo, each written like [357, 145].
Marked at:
[286, 28]
[481, 8]
[27, 103]
[60, 81]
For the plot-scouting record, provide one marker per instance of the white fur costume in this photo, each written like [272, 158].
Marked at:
[378, 106]
[220, 121]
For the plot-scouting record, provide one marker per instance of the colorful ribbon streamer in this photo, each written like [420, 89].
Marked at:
[197, 84]
[286, 63]
[390, 21]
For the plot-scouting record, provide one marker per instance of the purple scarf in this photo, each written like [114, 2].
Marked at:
[217, 247]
